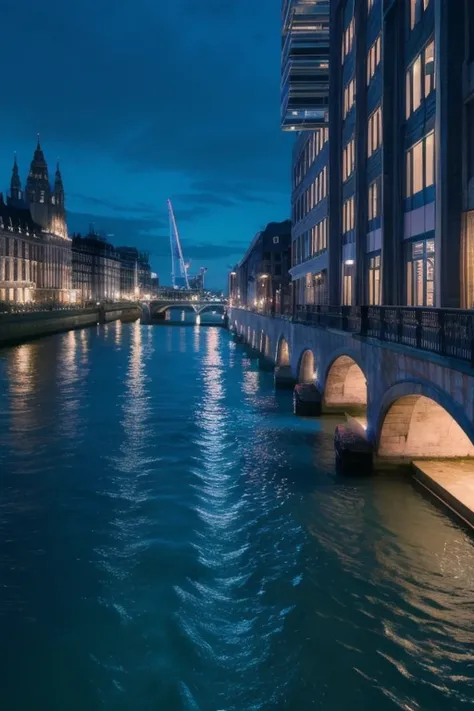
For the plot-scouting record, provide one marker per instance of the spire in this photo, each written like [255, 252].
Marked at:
[15, 183]
[58, 181]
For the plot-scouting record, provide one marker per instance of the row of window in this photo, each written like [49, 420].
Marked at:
[420, 276]
[420, 79]
[312, 149]
[420, 165]
[373, 58]
[374, 132]
[348, 159]
[417, 8]
[316, 192]
[311, 243]
[348, 39]
[348, 215]
[349, 97]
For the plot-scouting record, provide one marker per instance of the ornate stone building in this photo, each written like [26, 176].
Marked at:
[35, 250]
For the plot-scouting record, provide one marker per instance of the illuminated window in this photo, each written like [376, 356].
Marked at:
[417, 8]
[420, 165]
[348, 39]
[373, 195]
[348, 273]
[421, 273]
[370, 4]
[348, 159]
[348, 215]
[373, 58]
[374, 280]
[429, 68]
[349, 97]
[374, 131]
[420, 79]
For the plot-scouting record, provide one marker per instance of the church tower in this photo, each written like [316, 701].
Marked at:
[58, 190]
[16, 193]
[58, 224]
[38, 191]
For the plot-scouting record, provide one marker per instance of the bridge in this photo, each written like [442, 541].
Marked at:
[406, 373]
[193, 303]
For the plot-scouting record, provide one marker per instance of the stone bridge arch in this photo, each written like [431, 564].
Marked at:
[211, 307]
[182, 305]
[306, 369]
[418, 420]
[345, 384]
[282, 356]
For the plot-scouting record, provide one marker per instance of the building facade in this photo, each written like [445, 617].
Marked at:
[261, 280]
[95, 269]
[35, 250]
[135, 273]
[383, 198]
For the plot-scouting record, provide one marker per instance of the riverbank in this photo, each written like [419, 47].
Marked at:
[17, 328]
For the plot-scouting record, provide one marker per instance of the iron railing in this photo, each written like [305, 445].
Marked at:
[447, 332]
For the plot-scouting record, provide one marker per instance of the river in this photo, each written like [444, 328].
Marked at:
[173, 538]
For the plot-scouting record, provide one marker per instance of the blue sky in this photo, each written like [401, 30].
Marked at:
[147, 100]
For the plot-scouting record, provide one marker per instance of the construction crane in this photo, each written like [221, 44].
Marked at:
[179, 268]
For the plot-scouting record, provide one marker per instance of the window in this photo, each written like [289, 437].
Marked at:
[374, 280]
[421, 273]
[348, 215]
[373, 194]
[417, 8]
[348, 39]
[313, 147]
[420, 165]
[375, 131]
[370, 4]
[429, 68]
[349, 97]
[348, 159]
[348, 272]
[420, 79]
[373, 58]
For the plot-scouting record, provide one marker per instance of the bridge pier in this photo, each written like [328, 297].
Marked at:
[265, 363]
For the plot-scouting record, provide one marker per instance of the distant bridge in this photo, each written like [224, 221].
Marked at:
[199, 306]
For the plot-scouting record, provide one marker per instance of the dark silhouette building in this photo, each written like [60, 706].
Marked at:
[261, 280]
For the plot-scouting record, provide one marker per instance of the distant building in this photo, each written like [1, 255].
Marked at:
[35, 250]
[95, 269]
[155, 284]
[135, 273]
[261, 280]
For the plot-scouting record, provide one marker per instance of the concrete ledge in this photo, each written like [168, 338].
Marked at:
[451, 482]
[16, 328]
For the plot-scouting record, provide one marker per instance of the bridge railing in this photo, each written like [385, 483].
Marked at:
[448, 332]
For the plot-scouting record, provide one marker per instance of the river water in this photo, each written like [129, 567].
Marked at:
[173, 538]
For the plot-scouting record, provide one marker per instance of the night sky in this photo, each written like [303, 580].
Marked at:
[147, 100]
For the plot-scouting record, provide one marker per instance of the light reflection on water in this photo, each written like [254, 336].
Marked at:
[175, 538]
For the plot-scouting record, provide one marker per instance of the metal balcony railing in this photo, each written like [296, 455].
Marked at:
[447, 332]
